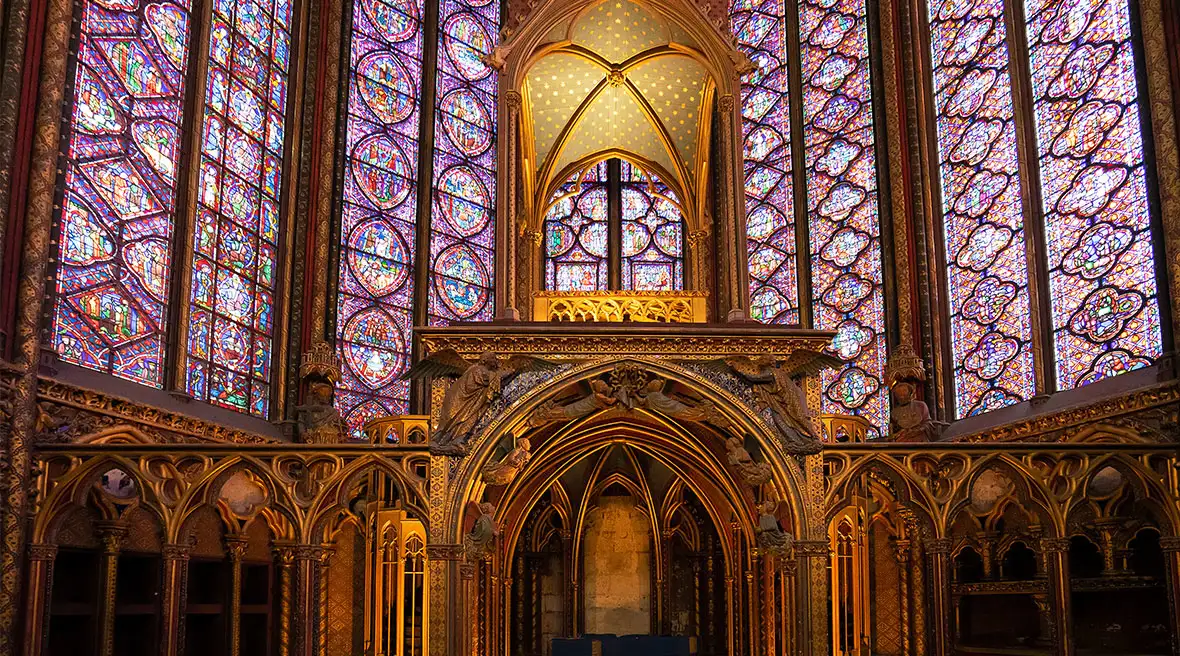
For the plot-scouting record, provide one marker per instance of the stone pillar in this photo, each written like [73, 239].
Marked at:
[304, 617]
[175, 585]
[1170, 545]
[918, 598]
[113, 535]
[1056, 552]
[321, 606]
[813, 597]
[468, 637]
[38, 596]
[731, 258]
[901, 553]
[506, 225]
[938, 553]
[284, 556]
[235, 545]
[790, 622]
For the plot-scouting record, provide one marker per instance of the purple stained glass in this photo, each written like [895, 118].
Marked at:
[652, 231]
[987, 269]
[116, 226]
[237, 225]
[1102, 285]
[576, 232]
[760, 28]
[376, 288]
[462, 226]
[842, 210]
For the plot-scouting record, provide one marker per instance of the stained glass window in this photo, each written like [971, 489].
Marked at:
[987, 270]
[760, 28]
[842, 204]
[652, 232]
[1102, 285]
[236, 233]
[376, 286]
[116, 223]
[575, 233]
[462, 229]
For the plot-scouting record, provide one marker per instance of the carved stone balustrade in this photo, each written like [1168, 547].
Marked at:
[617, 306]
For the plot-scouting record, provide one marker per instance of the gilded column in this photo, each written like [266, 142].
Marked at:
[918, 597]
[236, 546]
[38, 597]
[938, 552]
[901, 553]
[464, 623]
[175, 584]
[1170, 545]
[790, 619]
[305, 558]
[321, 606]
[813, 567]
[735, 297]
[113, 535]
[506, 225]
[284, 556]
[1056, 552]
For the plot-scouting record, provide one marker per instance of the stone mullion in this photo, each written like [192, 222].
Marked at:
[175, 581]
[1170, 545]
[38, 598]
[113, 535]
[1056, 552]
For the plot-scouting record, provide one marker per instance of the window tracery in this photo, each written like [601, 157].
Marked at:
[576, 233]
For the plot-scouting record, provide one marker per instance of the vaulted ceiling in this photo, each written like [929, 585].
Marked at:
[619, 77]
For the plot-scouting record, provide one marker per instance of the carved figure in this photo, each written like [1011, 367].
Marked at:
[479, 543]
[911, 417]
[774, 384]
[319, 421]
[771, 536]
[502, 473]
[653, 397]
[477, 384]
[752, 473]
[600, 397]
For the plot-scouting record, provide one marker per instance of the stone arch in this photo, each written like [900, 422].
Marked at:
[323, 517]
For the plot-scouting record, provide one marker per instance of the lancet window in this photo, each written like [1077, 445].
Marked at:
[1085, 227]
[614, 225]
[122, 218]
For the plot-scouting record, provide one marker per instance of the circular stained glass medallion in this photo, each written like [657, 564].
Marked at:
[462, 281]
[377, 257]
[373, 347]
[395, 20]
[467, 122]
[385, 86]
[466, 41]
[464, 201]
[381, 171]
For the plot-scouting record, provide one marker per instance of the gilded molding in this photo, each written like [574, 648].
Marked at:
[898, 194]
[327, 148]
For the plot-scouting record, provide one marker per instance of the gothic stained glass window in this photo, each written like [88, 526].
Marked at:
[1102, 285]
[652, 232]
[842, 204]
[376, 288]
[462, 227]
[116, 223]
[575, 233]
[236, 232]
[760, 28]
[987, 269]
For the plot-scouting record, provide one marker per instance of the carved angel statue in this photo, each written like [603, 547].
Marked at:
[771, 536]
[600, 397]
[911, 417]
[752, 473]
[319, 422]
[478, 384]
[652, 396]
[774, 384]
[479, 543]
[502, 473]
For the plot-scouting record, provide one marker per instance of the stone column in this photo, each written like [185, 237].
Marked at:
[235, 545]
[506, 226]
[284, 556]
[790, 619]
[918, 598]
[38, 597]
[732, 293]
[175, 585]
[813, 596]
[113, 535]
[468, 634]
[901, 553]
[303, 619]
[938, 553]
[1056, 552]
[1170, 545]
[321, 606]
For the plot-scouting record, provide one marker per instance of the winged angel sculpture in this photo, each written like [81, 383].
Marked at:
[774, 384]
[477, 384]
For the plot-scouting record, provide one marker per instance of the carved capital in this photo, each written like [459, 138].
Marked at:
[1170, 543]
[236, 546]
[514, 101]
[176, 551]
[307, 552]
[467, 571]
[697, 237]
[812, 548]
[444, 552]
[284, 554]
[1054, 545]
[725, 103]
[938, 546]
[113, 536]
[43, 552]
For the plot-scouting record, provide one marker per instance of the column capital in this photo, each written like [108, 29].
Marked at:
[1169, 543]
[444, 552]
[236, 546]
[938, 546]
[176, 551]
[1054, 545]
[113, 535]
[42, 552]
[812, 548]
